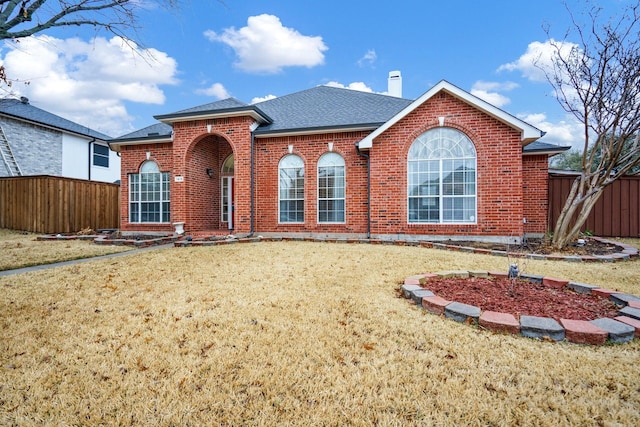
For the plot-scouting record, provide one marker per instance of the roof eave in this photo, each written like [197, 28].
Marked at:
[253, 112]
[117, 144]
[316, 130]
[548, 152]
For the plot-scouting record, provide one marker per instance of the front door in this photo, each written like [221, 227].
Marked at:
[227, 201]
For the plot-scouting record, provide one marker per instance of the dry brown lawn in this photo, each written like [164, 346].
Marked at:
[291, 333]
[18, 250]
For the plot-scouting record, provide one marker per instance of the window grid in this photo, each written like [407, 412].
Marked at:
[442, 178]
[291, 190]
[149, 196]
[100, 155]
[331, 189]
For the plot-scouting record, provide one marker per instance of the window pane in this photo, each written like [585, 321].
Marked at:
[149, 195]
[441, 177]
[331, 188]
[291, 189]
[100, 155]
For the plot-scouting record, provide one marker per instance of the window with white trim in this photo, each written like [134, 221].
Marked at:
[149, 195]
[442, 178]
[100, 155]
[331, 188]
[291, 189]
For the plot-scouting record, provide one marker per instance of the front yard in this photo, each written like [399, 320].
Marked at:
[291, 333]
[18, 250]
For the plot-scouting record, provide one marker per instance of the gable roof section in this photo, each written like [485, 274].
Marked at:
[229, 107]
[155, 134]
[528, 133]
[326, 109]
[23, 111]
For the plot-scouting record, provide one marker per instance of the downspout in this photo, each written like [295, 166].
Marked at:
[366, 156]
[252, 128]
[89, 163]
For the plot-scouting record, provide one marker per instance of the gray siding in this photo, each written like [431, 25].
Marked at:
[37, 150]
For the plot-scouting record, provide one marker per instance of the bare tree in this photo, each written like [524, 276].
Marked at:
[598, 82]
[23, 18]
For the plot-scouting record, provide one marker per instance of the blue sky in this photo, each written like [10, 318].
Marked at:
[256, 49]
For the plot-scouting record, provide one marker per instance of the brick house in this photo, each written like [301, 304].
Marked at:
[36, 142]
[332, 162]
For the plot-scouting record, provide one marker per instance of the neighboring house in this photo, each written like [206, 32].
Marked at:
[330, 162]
[36, 142]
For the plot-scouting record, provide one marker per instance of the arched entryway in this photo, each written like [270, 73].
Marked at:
[210, 190]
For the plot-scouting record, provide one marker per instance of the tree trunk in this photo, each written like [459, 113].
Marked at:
[575, 212]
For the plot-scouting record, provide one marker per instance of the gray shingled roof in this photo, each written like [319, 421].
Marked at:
[543, 147]
[328, 107]
[212, 106]
[21, 110]
[155, 131]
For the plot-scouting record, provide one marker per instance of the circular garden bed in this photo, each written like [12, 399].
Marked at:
[533, 306]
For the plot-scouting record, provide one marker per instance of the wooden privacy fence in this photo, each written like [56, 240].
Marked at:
[47, 204]
[616, 213]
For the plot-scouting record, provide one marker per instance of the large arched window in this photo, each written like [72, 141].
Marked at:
[331, 188]
[149, 194]
[291, 189]
[442, 178]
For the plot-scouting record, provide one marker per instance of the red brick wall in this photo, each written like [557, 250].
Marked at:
[269, 152]
[131, 158]
[197, 200]
[499, 175]
[536, 190]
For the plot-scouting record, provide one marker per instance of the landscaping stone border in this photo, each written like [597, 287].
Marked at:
[628, 252]
[104, 239]
[623, 328]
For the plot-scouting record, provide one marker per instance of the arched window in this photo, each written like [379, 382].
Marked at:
[149, 198]
[228, 166]
[331, 186]
[291, 189]
[442, 178]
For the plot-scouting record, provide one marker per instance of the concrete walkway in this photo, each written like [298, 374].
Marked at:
[79, 261]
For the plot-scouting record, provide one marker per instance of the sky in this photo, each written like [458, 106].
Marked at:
[255, 50]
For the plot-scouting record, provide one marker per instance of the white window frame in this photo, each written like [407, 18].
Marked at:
[292, 163]
[439, 147]
[227, 171]
[100, 155]
[150, 173]
[335, 161]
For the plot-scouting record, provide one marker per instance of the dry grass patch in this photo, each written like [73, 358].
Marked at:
[290, 333]
[19, 249]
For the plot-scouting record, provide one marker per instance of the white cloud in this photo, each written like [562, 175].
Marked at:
[489, 91]
[88, 82]
[217, 90]
[353, 86]
[266, 46]
[564, 132]
[538, 57]
[368, 59]
[263, 98]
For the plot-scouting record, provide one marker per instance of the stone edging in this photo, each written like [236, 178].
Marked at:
[628, 253]
[101, 239]
[622, 328]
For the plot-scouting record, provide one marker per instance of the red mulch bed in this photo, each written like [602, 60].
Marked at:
[521, 297]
